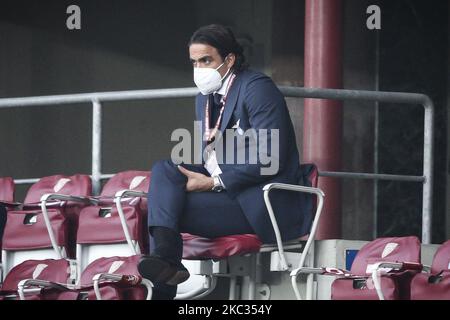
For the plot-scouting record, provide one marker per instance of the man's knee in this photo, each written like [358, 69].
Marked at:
[163, 165]
[165, 168]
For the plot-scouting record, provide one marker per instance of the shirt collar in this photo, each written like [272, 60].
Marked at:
[224, 86]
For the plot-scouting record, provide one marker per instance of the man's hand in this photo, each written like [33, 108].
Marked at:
[197, 181]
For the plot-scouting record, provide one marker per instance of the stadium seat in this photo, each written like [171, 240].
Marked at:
[237, 256]
[110, 278]
[40, 236]
[6, 190]
[117, 224]
[111, 236]
[434, 285]
[52, 270]
[382, 269]
[7, 201]
[207, 259]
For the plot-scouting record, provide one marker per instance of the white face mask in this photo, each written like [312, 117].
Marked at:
[208, 80]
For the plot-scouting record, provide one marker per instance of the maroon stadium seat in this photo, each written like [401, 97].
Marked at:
[101, 224]
[199, 248]
[111, 278]
[7, 200]
[436, 284]
[111, 236]
[26, 241]
[358, 283]
[6, 189]
[26, 228]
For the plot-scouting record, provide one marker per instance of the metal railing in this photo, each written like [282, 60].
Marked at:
[335, 94]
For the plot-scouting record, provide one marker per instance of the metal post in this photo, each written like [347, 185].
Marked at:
[376, 142]
[322, 121]
[252, 278]
[427, 194]
[233, 282]
[96, 145]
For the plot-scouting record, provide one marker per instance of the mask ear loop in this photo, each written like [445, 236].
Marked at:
[226, 74]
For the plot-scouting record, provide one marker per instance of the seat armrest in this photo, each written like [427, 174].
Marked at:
[130, 193]
[24, 286]
[123, 280]
[322, 271]
[62, 197]
[384, 267]
[118, 201]
[11, 204]
[296, 188]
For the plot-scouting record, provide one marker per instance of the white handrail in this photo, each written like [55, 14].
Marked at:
[320, 93]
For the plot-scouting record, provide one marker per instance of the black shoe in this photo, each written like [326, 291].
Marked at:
[157, 269]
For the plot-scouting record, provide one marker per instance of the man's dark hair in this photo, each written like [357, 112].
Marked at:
[223, 39]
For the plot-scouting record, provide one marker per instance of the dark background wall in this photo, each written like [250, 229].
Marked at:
[448, 132]
[413, 58]
[119, 47]
[122, 45]
[125, 45]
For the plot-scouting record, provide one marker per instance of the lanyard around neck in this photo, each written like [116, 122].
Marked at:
[209, 134]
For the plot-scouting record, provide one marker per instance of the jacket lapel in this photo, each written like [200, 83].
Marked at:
[230, 103]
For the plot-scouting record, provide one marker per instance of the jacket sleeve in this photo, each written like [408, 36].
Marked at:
[266, 109]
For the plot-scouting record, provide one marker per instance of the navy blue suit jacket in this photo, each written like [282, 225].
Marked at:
[257, 103]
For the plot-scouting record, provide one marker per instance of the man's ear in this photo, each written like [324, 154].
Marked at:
[231, 59]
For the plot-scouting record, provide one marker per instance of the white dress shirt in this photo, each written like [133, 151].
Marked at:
[222, 90]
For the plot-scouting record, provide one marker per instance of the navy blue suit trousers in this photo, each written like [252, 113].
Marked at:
[206, 214]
